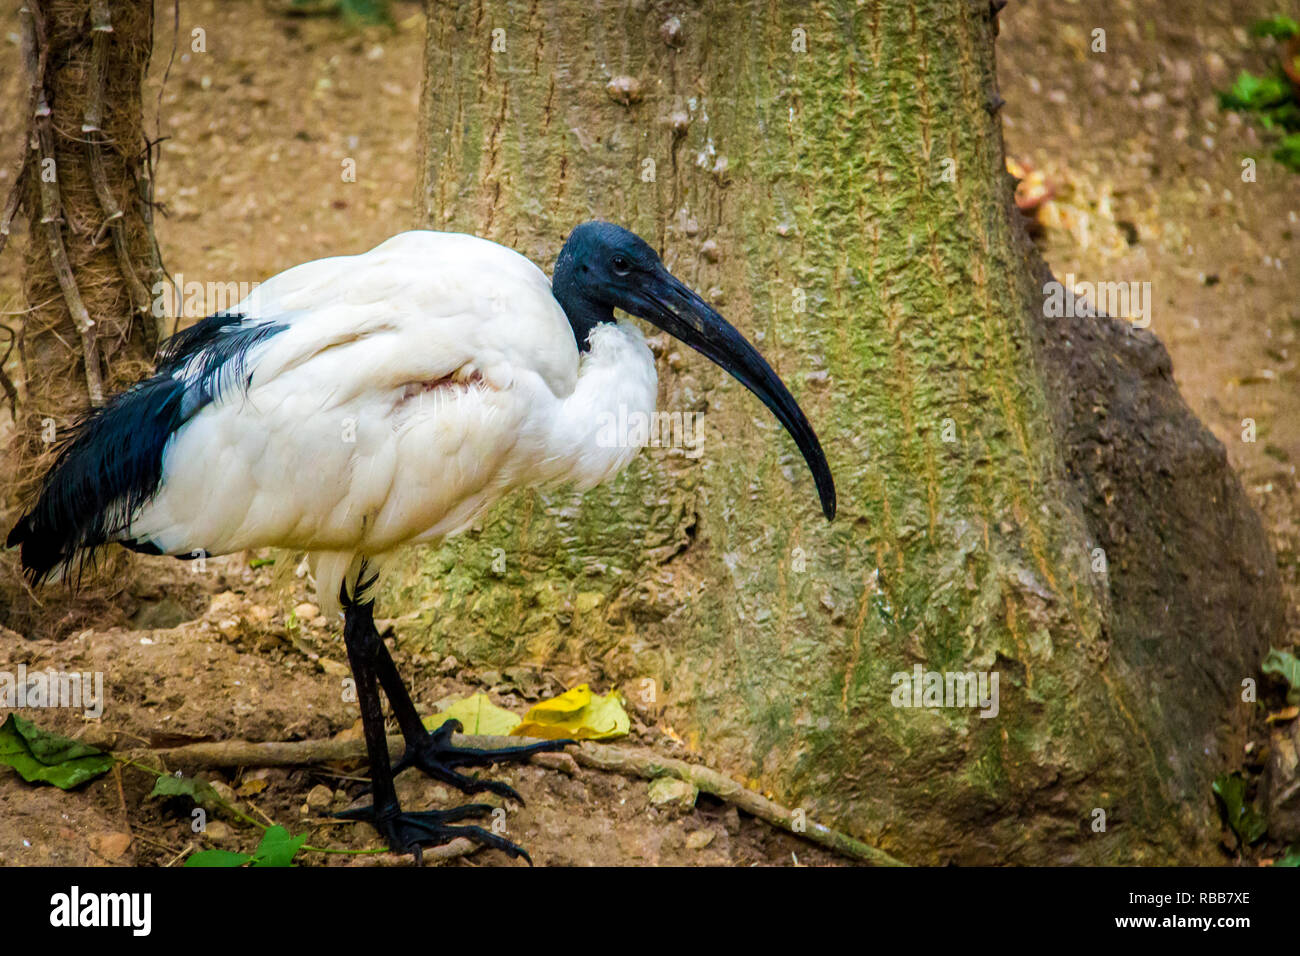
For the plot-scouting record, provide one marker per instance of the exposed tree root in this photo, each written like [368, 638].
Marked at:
[611, 758]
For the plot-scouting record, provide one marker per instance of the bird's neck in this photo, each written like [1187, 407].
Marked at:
[584, 315]
[604, 422]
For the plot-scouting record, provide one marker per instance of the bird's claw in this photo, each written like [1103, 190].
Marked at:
[435, 755]
[410, 832]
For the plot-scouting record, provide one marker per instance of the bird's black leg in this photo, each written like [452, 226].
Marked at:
[433, 752]
[404, 832]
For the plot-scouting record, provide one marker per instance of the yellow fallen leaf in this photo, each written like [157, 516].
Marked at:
[1283, 715]
[251, 788]
[477, 715]
[578, 714]
[566, 705]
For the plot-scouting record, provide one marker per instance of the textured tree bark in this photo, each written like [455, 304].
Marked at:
[90, 260]
[832, 177]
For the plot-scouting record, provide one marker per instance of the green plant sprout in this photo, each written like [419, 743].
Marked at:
[1275, 98]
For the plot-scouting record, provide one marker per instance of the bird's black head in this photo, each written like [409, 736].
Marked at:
[601, 267]
[604, 267]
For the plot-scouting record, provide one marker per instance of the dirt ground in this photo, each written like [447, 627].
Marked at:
[1146, 173]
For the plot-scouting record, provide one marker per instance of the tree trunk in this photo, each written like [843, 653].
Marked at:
[1019, 495]
[91, 263]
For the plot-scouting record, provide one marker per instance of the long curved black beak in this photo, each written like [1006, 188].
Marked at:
[680, 312]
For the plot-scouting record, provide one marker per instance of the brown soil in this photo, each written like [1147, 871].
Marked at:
[1148, 177]
[1147, 173]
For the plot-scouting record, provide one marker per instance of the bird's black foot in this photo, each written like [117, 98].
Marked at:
[434, 754]
[410, 832]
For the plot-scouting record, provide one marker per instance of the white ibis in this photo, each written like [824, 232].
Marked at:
[355, 405]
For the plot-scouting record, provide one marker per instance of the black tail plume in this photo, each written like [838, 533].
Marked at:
[107, 468]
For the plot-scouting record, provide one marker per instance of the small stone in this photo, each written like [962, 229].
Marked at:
[680, 121]
[306, 612]
[224, 791]
[111, 846]
[671, 32]
[698, 839]
[710, 251]
[320, 797]
[333, 668]
[671, 791]
[624, 89]
[218, 831]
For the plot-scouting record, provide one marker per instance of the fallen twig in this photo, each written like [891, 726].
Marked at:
[636, 761]
[611, 758]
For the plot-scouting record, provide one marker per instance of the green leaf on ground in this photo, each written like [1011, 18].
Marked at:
[1283, 663]
[43, 757]
[1280, 27]
[1252, 92]
[1292, 857]
[200, 791]
[1242, 817]
[477, 715]
[278, 848]
[1288, 152]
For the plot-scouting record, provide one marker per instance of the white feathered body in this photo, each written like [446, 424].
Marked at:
[414, 386]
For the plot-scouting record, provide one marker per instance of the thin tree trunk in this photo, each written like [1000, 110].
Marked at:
[1019, 495]
[91, 262]
[91, 259]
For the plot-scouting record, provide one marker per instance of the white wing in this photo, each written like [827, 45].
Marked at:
[406, 393]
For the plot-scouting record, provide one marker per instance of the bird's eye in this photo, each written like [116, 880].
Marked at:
[621, 265]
